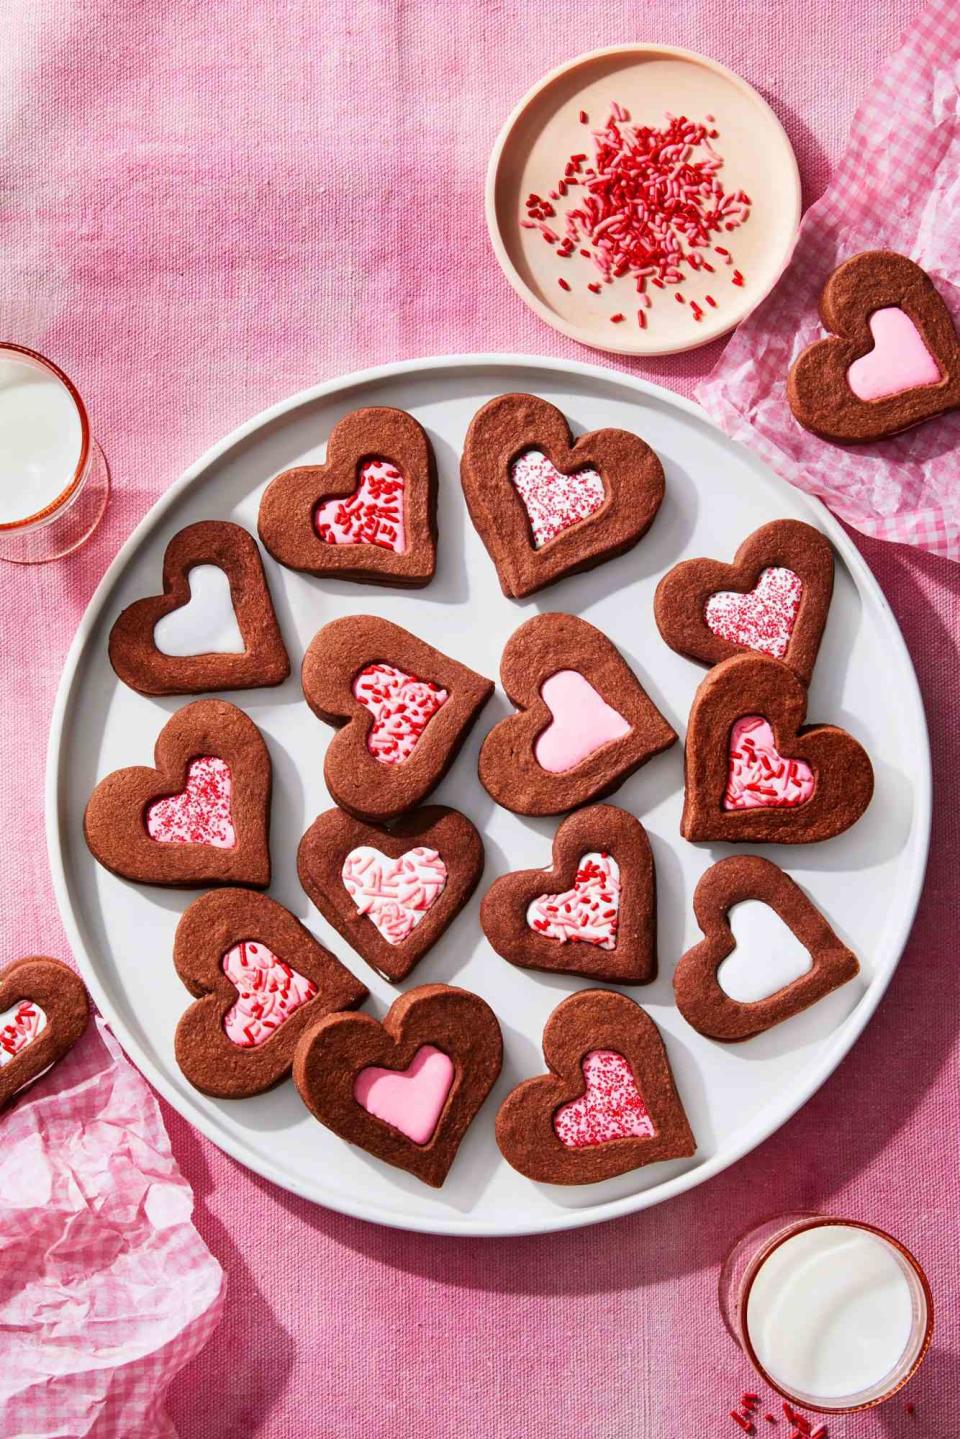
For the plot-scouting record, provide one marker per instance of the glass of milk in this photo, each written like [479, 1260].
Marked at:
[54, 482]
[833, 1314]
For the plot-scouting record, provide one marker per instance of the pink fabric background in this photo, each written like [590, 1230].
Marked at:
[202, 209]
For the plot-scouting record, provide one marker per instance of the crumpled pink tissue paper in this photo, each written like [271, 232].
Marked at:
[106, 1288]
[895, 188]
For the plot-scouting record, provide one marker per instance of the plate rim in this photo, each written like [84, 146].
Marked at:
[456, 1224]
[641, 343]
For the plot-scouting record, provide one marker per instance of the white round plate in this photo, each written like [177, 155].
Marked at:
[867, 881]
[650, 81]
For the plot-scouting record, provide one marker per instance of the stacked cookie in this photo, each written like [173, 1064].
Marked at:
[391, 873]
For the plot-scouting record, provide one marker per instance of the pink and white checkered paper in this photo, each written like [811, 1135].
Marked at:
[896, 189]
[106, 1288]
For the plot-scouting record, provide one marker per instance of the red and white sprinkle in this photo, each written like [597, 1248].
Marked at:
[372, 515]
[402, 706]
[587, 913]
[763, 618]
[201, 813]
[20, 1027]
[611, 1106]
[268, 992]
[760, 777]
[394, 893]
[554, 501]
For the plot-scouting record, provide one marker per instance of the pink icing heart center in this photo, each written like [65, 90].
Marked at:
[763, 618]
[760, 777]
[554, 501]
[899, 359]
[201, 813]
[410, 1099]
[611, 1106]
[402, 706]
[582, 722]
[394, 893]
[268, 992]
[372, 515]
[588, 912]
[19, 1027]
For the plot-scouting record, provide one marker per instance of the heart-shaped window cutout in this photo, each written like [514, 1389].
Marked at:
[768, 955]
[899, 359]
[395, 894]
[20, 1026]
[582, 722]
[373, 515]
[402, 706]
[410, 1099]
[587, 913]
[611, 1106]
[763, 618]
[207, 624]
[268, 992]
[555, 501]
[760, 777]
[201, 813]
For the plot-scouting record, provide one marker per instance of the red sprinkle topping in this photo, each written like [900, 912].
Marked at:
[584, 117]
[745, 1424]
[616, 319]
[563, 284]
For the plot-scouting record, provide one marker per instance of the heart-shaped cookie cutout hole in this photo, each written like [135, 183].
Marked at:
[260, 979]
[760, 776]
[410, 1099]
[402, 706]
[206, 624]
[43, 1012]
[372, 515]
[368, 513]
[554, 501]
[214, 626]
[547, 506]
[407, 1089]
[20, 1025]
[201, 814]
[391, 892]
[585, 914]
[593, 913]
[269, 991]
[898, 361]
[395, 894]
[611, 1106]
[609, 1103]
[768, 956]
[582, 722]
[761, 620]
[767, 952]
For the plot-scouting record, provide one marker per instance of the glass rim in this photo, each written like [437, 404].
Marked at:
[74, 484]
[821, 1222]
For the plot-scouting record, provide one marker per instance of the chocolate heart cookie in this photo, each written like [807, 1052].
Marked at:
[368, 513]
[700, 998]
[593, 913]
[260, 979]
[404, 1090]
[773, 599]
[203, 654]
[546, 507]
[752, 773]
[201, 817]
[610, 1103]
[43, 1012]
[405, 709]
[585, 721]
[892, 360]
[391, 892]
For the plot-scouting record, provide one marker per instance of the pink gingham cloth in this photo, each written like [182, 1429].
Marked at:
[203, 208]
[896, 188]
[106, 1288]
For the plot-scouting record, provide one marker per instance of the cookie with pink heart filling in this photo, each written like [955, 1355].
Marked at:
[772, 600]
[584, 721]
[260, 979]
[200, 816]
[702, 1000]
[754, 772]
[368, 513]
[609, 1103]
[546, 506]
[594, 912]
[405, 1090]
[391, 892]
[44, 1010]
[223, 637]
[403, 708]
[891, 361]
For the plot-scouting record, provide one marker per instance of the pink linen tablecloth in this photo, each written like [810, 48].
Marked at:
[202, 209]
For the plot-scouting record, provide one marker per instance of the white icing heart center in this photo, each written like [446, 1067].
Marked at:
[207, 624]
[395, 894]
[587, 913]
[763, 618]
[268, 992]
[554, 501]
[201, 813]
[19, 1026]
[768, 955]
